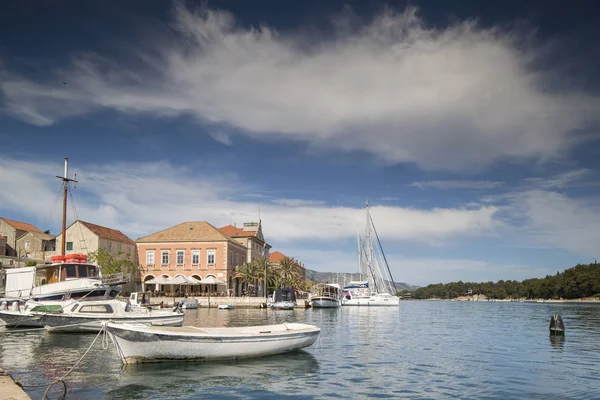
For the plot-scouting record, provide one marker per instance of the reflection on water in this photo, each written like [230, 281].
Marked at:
[422, 349]
[557, 341]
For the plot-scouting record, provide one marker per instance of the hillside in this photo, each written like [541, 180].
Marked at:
[333, 277]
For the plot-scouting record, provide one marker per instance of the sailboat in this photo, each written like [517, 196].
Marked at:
[376, 284]
[67, 277]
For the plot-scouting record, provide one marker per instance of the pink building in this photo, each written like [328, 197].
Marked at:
[191, 249]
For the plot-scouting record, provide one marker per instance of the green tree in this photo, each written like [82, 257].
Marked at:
[31, 263]
[288, 273]
[112, 263]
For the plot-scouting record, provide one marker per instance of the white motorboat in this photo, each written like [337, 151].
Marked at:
[189, 303]
[225, 306]
[377, 288]
[85, 316]
[137, 343]
[283, 299]
[326, 295]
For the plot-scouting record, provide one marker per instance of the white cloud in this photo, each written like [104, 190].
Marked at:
[141, 198]
[452, 98]
[298, 202]
[450, 184]
[561, 180]
[556, 220]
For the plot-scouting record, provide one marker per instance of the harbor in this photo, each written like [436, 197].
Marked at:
[421, 349]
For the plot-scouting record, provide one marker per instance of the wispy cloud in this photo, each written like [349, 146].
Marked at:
[298, 202]
[457, 184]
[562, 180]
[474, 93]
[141, 198]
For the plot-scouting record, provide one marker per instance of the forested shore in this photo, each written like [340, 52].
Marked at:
[582, 280]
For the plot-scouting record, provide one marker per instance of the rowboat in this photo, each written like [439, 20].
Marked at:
[139, 343]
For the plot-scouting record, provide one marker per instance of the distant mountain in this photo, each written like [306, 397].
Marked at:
[334, 277]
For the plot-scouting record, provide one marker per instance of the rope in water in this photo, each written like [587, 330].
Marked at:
[104, 334]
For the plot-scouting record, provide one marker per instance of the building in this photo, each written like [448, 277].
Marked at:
[11, 230]
[2, 245]
[84, 238]
[36, 245]
[250, 236]
[192, 249]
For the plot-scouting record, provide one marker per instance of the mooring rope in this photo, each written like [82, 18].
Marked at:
[61, 379]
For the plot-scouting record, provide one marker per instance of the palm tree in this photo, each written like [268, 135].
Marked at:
[289, 273]
[248, 272]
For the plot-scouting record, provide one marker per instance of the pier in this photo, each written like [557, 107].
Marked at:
[9, 389]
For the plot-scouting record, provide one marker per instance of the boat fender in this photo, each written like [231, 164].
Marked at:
[4, 306]
[14, 306]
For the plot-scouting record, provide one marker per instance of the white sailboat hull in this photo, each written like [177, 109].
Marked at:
[143, 344]
[373, 301]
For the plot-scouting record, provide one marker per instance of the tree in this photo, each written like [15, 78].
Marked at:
[31, 263]
[112, 264]
[289, 273]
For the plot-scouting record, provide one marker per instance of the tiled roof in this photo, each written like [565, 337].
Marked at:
[195, 231]
[23, 226]
[276, 256]
[234, 231]
[107, 233]
[39, 235]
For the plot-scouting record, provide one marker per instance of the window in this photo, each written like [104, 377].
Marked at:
[195, 257]
[109, 247]
[237, 259]
[210, 257]
[118, 247]
[165, 257]
[243, 259]
[230, 258]
[27, 244]
[149, 257]
[180, 257]
[69, 245]
[97, 309]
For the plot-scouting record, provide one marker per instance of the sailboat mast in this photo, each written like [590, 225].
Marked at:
[66, 181]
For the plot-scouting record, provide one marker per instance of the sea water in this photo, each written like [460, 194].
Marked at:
[419, 350]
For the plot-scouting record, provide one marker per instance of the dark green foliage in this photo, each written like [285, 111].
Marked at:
[583, 280]
[31, 263]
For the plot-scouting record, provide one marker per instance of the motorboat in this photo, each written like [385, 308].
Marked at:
[189, 303]
[138, 343]
[225, 306]
[326, 295]
[283, 299]
[63, 279]
[86, 316]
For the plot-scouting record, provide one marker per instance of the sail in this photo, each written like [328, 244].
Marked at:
[373, 263]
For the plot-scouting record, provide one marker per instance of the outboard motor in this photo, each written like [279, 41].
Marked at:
[4, 306]
[557, 327]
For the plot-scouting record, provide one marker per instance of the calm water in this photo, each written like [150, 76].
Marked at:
[421, 350]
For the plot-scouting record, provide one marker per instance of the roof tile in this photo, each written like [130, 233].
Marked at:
[194, 231]
[23, 226]
[107, 233]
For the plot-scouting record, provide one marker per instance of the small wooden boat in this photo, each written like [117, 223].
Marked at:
[138, 343]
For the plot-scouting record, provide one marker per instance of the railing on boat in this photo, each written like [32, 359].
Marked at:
[116, 279]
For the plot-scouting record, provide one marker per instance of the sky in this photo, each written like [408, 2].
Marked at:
[470, 127]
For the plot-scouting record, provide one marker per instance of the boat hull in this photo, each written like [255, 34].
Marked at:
[325, 302]
[373, 301]
[18, 319]
[139, 344]
[66, 323]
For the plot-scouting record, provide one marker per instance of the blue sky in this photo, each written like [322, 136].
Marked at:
[471, 127]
